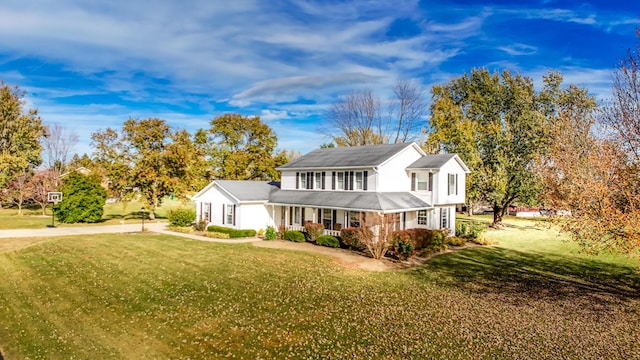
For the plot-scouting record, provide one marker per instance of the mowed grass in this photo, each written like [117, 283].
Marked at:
[114, 214]
[145, 296]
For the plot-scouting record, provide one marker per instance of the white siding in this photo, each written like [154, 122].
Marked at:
[393, 176]
[441, 184]
[288, 180]
[253, 216]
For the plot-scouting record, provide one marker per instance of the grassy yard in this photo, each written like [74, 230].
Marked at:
[114, 214]
[145, 296]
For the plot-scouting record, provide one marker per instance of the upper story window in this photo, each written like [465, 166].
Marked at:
[349, 180]
[302, 181]
[453, 184]
[310, 180]
[421, 181]
[318, 181]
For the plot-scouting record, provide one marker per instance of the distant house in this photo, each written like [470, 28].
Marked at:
[334, 186]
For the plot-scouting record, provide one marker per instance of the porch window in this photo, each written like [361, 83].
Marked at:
[444, 218]
[297, 217]
[422, 217]
[354, 218]
[327, 218]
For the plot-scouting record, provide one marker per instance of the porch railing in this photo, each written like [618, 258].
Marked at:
[302, 229]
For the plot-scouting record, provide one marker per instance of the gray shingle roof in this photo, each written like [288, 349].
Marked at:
[431, 161]
[247, 190]
[348, 200]
[346, 157]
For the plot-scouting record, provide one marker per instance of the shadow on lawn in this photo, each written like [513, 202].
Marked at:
[532, 276]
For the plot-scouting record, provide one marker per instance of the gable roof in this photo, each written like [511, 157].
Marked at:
[436, 161]
[347, 157]
[243, 190]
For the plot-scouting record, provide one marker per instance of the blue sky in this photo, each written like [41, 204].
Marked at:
[89, 65]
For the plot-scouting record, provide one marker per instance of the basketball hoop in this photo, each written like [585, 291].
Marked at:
[54, 197]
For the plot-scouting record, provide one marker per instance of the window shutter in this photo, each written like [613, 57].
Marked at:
[448, 184]
[302, 215]
[290, 216]
[201, 217]
[297, 180]
[456, 184]
[365, 175]
[413, 181]
[351, 180]
[323, 184]
[430, 181]
[223, 214]
[309, 180]
[346, 180]
[234, 215]
[333, 180]
[319, 215]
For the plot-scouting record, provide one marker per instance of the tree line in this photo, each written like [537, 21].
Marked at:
[555, 147]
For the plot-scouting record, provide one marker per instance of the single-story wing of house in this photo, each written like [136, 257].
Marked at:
[334, 186]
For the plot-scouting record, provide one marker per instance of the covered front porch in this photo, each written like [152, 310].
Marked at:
[334, 220]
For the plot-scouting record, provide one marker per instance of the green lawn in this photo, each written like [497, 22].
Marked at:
[114, 214]
[145, 296]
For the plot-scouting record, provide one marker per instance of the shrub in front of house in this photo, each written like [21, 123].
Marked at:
[181, 229]
[349, 238]
[181, 217]
[233, 233]
[425, 241]
[295, 236]
[270, 233]
[314, 230]
[455, 241]
[328, 240]
[403, 246]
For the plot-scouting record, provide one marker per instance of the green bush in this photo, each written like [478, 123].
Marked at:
[403, 246]
[271, 233]
[469, 230]
[293, 235]
[349, 237]
[328, 240]
[83, 199]
[233, 233]
[217, 235]
[314, 230]
[455, 241]
[181, 217]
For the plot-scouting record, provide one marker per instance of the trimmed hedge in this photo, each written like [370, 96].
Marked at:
[217, 235]
[328, 240]
[295, 236]
[233, 233]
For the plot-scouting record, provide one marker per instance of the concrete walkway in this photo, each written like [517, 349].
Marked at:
[156, 227]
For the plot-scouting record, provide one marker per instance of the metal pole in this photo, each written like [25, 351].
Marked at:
[142, 218]
[53, 211]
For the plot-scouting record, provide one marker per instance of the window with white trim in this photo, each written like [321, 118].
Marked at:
[422, 181]
[318, 181]
[422, 217]
[340, 180]
[230, 214]
[297, 216]
[354, 218]
[302, 180]
[453, 184]
[327, 218]
[444, 218]
[359, 176]
[206, 211]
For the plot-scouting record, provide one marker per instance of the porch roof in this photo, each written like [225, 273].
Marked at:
[356, 201]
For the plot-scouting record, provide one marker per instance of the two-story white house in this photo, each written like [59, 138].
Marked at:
[334, 186]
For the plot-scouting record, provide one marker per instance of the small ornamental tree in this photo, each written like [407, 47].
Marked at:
[42, 183]
[314, 230]
[83, 199]
[376, 233]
